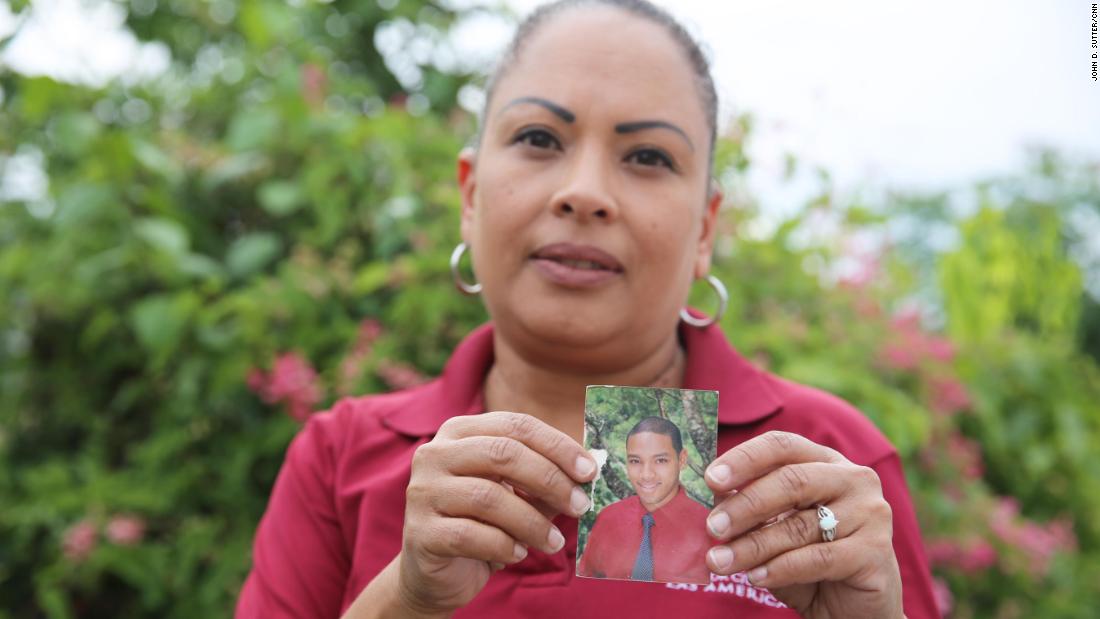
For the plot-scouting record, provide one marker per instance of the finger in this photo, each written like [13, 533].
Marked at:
[795, 486]
[557, 446]
[525, 469]
[492, 504]
[762, 454]
[761, 545]
[825, 561]
[470, 539]
[546, 510]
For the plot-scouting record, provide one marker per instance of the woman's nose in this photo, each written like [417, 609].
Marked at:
[586, 193]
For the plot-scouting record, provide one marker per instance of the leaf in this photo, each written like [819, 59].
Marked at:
[371, 278]
[163, 234]
[233, 168]
[252, 252]
[74, 132]
[155, 160]
[159, 322]
[253, 129]
[280, 197]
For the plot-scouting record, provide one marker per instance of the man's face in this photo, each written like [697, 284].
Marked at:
[653, 467]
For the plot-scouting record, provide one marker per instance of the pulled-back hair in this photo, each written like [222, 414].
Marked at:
[640, 8]
[659, 425]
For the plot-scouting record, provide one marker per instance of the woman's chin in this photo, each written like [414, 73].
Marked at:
[569, 327]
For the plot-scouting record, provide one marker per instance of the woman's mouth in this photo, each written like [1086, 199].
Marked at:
[576, 266]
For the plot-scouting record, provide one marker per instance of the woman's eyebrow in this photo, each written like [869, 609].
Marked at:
[628, 127]
[558, 110]
[652, 124]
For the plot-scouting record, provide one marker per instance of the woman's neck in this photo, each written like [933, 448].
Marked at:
[557, 397]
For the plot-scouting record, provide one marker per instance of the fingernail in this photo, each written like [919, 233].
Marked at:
[555, 539]
[719, 523]
[584, 466]
[719, 474]
[578, 501]
[758, 575]
[519, 553]
[721, 557]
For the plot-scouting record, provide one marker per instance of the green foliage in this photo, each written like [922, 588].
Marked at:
[269, 207]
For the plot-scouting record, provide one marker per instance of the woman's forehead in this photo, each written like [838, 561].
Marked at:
[605, 59]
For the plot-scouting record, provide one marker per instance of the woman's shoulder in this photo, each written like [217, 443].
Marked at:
[827, 419]
[356, 425]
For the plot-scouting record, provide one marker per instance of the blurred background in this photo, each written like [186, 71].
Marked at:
[217, 217]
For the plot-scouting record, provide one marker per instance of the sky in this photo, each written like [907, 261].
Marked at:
[928, 95]
[882, 94]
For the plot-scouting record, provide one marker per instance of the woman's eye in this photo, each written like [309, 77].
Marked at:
[650, 157]
[538, 138]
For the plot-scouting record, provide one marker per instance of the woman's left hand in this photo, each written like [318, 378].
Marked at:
[767, 491]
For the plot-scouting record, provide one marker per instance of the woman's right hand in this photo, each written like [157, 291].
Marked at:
[463, 515]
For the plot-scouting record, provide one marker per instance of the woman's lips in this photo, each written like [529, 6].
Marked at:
[576, 266]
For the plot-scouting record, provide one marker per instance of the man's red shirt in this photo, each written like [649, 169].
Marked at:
[678, 537]
[336, 513]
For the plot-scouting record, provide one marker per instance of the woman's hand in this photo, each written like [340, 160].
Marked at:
[464, 514]
[771, 528]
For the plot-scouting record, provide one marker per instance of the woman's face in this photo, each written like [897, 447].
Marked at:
[587, 208]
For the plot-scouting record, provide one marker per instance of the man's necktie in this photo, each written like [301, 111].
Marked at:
[643, 565]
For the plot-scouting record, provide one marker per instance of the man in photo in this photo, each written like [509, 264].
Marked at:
[658, 533]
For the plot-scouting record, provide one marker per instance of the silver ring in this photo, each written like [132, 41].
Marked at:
[465, 288]
[827, 521]
[723, 300]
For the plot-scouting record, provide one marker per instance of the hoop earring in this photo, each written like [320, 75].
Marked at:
[463, 287]
[723, 301]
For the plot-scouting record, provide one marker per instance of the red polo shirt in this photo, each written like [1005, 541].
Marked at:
[335, 515]
[678, 538]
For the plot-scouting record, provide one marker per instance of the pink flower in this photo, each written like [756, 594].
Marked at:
[966, 455]
[899, 357]
[948, 395]
[942, 552]
[940, 349]
[867, 308]
[351, 366]
[313, 84]
[1039, 542]
[125, 530]
[292, 381]
[945, 601]
[977, 556]
[79, 541]
[369, 331]
[906, 321]
[256, 380]
[400, 375]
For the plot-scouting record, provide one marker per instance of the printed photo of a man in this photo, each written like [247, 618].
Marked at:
[659, 532]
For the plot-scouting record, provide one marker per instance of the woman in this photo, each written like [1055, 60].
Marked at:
[589, 210]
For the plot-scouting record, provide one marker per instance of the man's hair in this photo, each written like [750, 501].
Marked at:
[639, 8]
[659, 425]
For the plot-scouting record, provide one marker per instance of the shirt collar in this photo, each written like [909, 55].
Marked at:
[745, 395]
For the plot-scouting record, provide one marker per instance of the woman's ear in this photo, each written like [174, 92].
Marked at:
[467, 161]
[710, 226]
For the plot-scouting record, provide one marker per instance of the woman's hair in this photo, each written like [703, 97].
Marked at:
[640, 8]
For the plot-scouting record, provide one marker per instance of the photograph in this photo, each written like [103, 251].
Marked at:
[649, 499]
